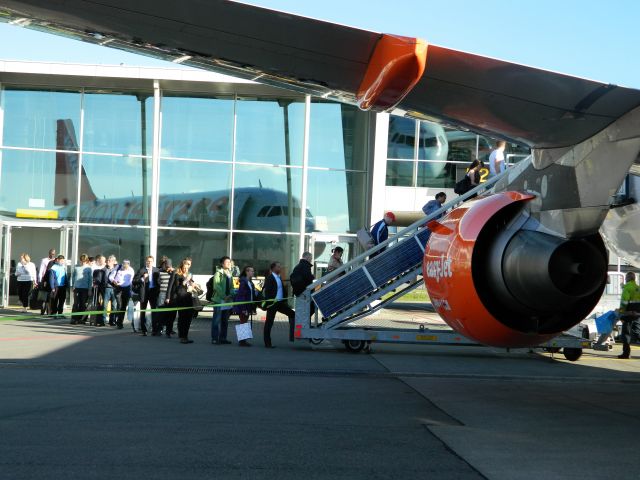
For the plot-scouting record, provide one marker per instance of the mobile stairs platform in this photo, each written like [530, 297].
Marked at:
[334, 306]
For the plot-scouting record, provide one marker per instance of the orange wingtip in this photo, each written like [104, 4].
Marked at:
[436, 227]
[395, 67]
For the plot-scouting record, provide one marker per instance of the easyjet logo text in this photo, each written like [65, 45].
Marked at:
[440, 268]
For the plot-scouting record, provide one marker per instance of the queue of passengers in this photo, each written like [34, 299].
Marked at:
[103, 288]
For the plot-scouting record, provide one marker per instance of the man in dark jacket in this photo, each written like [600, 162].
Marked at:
[275, 297]
[301, 276]
[99, 284]
[145, 283]
[380, 232]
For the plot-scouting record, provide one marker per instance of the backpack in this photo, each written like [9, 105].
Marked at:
[209, 287]
[463, 186]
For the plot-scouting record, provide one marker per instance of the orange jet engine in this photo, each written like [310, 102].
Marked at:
[495, 275]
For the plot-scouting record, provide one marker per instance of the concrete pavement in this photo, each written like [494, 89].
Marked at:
[84, 402]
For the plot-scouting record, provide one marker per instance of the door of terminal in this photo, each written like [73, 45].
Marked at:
[35, 238]
[321, 245]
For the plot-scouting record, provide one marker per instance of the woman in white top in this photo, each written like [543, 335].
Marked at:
[26, 273]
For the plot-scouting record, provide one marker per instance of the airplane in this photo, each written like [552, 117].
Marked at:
[512, 268]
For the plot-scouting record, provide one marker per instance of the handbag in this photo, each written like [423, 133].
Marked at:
[243, 331]
[43, 295]
[196, 303]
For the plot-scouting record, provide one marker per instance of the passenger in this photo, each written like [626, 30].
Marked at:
[275, 302]
[235, 270]
[180, 288]
[121, 279]
[45, 264]
[301, 277]
[335, 261]
[470, 180]
[43, 280]
[496, 159]
[147, 281]
[222, 293]
[81, 281]
[246, 293]
[98, 291]
[27, 279]
[629, 312]
[58, 282]
[380, 231]
[167, 318]
[433, 205]
[110, 290]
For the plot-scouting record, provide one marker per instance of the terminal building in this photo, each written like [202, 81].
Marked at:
[134, 161]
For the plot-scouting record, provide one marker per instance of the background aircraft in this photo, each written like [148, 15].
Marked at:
[536, 239]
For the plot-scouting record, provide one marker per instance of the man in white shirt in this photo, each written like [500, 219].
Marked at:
[496, 159]
[44, 263]
[121, 278]
[275, 297]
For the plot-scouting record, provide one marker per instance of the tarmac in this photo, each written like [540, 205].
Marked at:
[94, 403]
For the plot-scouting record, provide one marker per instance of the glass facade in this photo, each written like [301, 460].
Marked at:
[440, 157]
[226, 176]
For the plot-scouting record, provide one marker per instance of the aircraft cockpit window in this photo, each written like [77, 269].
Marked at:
[263, 211]
[275, 212]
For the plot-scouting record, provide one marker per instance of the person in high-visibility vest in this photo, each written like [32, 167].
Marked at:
[629, 312]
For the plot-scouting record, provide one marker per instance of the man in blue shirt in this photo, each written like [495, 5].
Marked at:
[58, 282]
[433, 205]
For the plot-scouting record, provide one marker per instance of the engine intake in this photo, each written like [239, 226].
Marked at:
[509, 285]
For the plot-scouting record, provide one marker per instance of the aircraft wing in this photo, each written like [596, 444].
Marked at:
[535, 107]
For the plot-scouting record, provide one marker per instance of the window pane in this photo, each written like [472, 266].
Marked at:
[463, 146]
[336, 201]
[194, 194]
[258, 187]
[438, 174]
[269, 131]
[41, 119]
[113, 123]
[399, 174]
[338, 136]
[204, 248]
[433, 142]
[115, 190]
[124, 243]
[402, 138]
[260, 250]
[44, 183]
[197, 127]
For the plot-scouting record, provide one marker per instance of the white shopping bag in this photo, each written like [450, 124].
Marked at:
[243, 331]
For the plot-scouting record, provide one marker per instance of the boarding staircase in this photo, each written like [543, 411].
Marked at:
[355, 290]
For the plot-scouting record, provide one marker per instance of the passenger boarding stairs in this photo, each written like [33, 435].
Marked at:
[354, 290]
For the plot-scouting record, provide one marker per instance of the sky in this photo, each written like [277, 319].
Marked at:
[587, 38]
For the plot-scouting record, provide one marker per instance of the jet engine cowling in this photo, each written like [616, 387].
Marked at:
[497, 279]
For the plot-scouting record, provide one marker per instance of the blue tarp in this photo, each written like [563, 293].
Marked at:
[606, 321]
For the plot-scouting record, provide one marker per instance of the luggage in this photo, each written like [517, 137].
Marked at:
[364, 237]
[34, 302]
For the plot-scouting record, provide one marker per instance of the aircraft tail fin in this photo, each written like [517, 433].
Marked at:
[66, 180]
